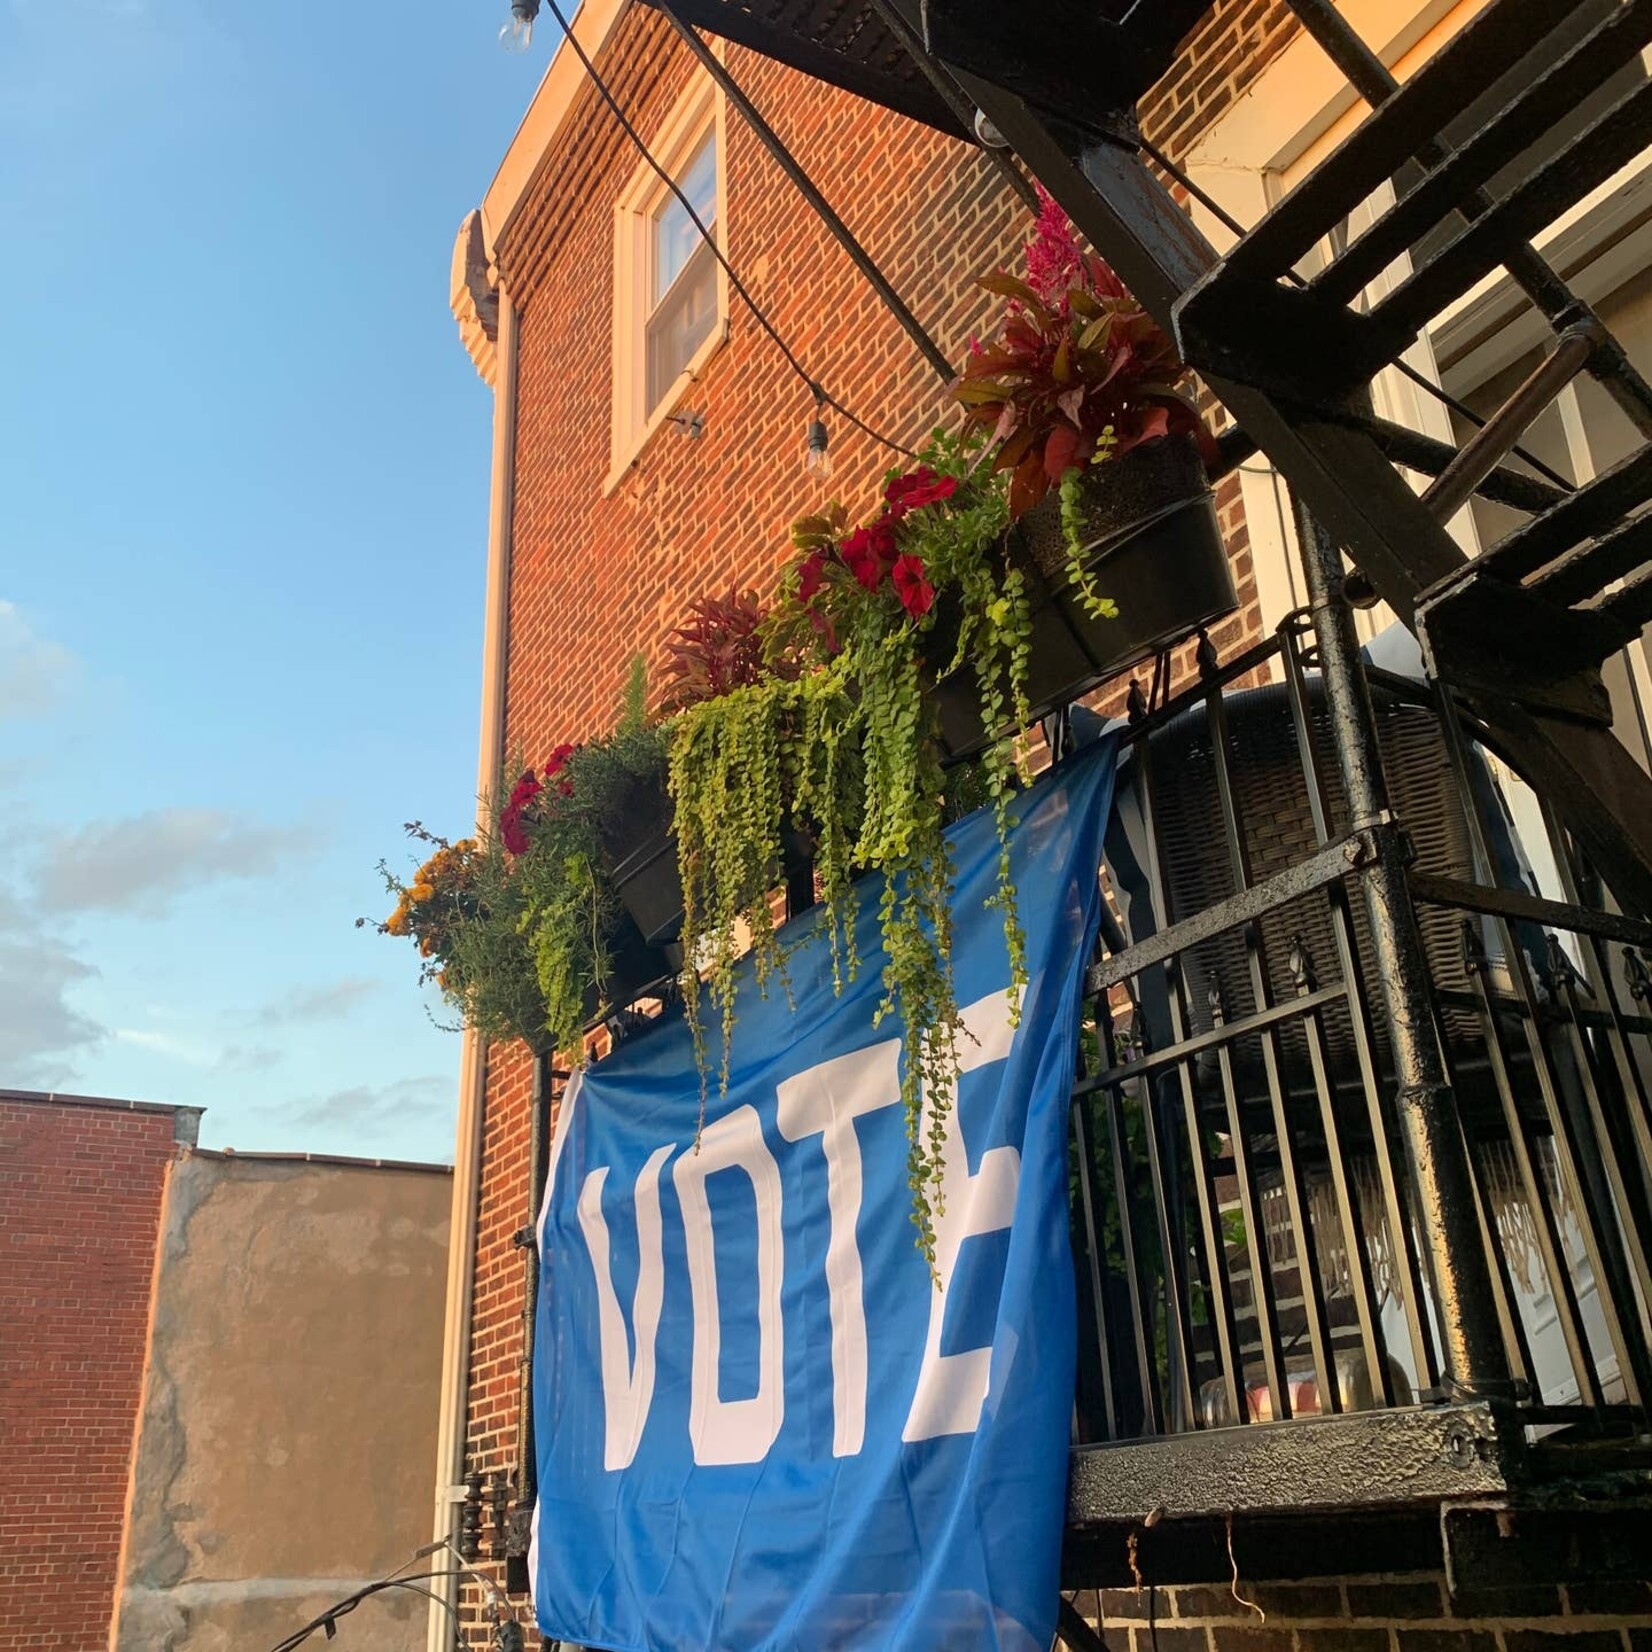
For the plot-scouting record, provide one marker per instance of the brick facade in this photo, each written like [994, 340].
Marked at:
[80, 1202]
[594, 579]
[1408, 1612]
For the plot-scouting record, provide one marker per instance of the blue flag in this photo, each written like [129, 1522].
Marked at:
[760, 1425]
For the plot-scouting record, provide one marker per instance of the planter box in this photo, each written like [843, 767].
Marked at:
[642, 862]
[1153, 544]
[642, 865]
[635, 967]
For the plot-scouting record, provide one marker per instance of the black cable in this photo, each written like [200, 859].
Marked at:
[351, 1602]
[820, 393]
[1421, 380]
[810, 191]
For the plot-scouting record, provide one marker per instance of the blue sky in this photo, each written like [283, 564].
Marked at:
[243, 520]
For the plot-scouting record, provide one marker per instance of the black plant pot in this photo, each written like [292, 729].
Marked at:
[634, 967]
[1152, 544]
[642, 865]
[642, 862]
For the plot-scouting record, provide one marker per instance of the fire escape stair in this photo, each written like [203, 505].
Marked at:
[1522, 632]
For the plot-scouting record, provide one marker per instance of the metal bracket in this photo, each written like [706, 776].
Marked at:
[1075, 64]
[1075, 1631]
[1512, 1543]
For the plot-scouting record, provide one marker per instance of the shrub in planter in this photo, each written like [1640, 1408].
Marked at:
[522, 929]
[463, 912]
[1082, 396]
[554, 826]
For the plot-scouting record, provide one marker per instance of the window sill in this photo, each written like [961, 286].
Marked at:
[629, 450]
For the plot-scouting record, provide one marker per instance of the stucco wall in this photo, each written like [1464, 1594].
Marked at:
[286, 1446]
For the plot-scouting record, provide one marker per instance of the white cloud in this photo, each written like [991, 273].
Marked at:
[41, 1032]
[332, 1002]
[248, 1058]
[143, 863]
[372, 1105]
[164, 1044]
[35, 672]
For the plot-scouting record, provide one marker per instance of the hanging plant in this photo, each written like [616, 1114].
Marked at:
[463, 911]
[553, 824]
[1078, 376]
[922, 590]
[760, 786]
[760, 777]
[521, 928]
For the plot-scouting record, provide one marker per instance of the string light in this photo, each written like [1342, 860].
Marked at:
[517, 34]
[817, 460]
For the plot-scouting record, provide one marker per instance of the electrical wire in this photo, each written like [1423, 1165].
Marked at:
[821, 395]
[1404, 368]
[329, 1618]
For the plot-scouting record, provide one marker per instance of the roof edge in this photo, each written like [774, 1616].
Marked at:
[230, 1156]
[186, 1120]
[593, 25]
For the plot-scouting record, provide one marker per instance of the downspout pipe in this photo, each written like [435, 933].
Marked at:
[467, 1157]
[527, 1238]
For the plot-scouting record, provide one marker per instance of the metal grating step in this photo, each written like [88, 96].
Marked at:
[1314, 332]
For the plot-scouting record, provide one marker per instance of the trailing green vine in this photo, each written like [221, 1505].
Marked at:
[882, 611]
[1075, 536]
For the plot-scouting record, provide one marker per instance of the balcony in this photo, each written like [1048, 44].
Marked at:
[1302, 1286]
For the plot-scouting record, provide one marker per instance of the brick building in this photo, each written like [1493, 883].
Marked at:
[623, 488]
[81, 1184]
[198, 1352]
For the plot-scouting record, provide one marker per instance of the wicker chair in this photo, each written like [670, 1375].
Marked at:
[1276, 824]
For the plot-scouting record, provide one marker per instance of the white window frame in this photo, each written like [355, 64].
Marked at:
[699, 111]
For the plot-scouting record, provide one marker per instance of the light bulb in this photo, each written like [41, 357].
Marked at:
[517, 34]
[816, 460]
[987, 134]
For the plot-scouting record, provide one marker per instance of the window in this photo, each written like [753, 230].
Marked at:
[683, 274]
[670, 293]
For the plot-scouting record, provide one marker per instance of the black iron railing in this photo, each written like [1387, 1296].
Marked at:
[1282, 1211]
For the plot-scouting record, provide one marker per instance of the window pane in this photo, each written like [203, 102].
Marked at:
[680, 325]
[675, 237]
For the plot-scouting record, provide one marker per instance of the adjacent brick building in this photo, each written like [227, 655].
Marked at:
[608, 518]
[218, 1377]
[81, 1183]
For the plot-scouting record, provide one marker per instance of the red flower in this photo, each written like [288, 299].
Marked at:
[868, 552]
[810, 575]
[511, 832]
[554, 766]
[918, 488]
[524, 791]
[915, 592]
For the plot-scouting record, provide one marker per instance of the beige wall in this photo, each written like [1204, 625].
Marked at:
[286, 1442]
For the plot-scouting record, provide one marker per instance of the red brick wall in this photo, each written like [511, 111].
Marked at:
[1218, 62]
[594, 579]
[80, 1200]
[1404, 1612]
